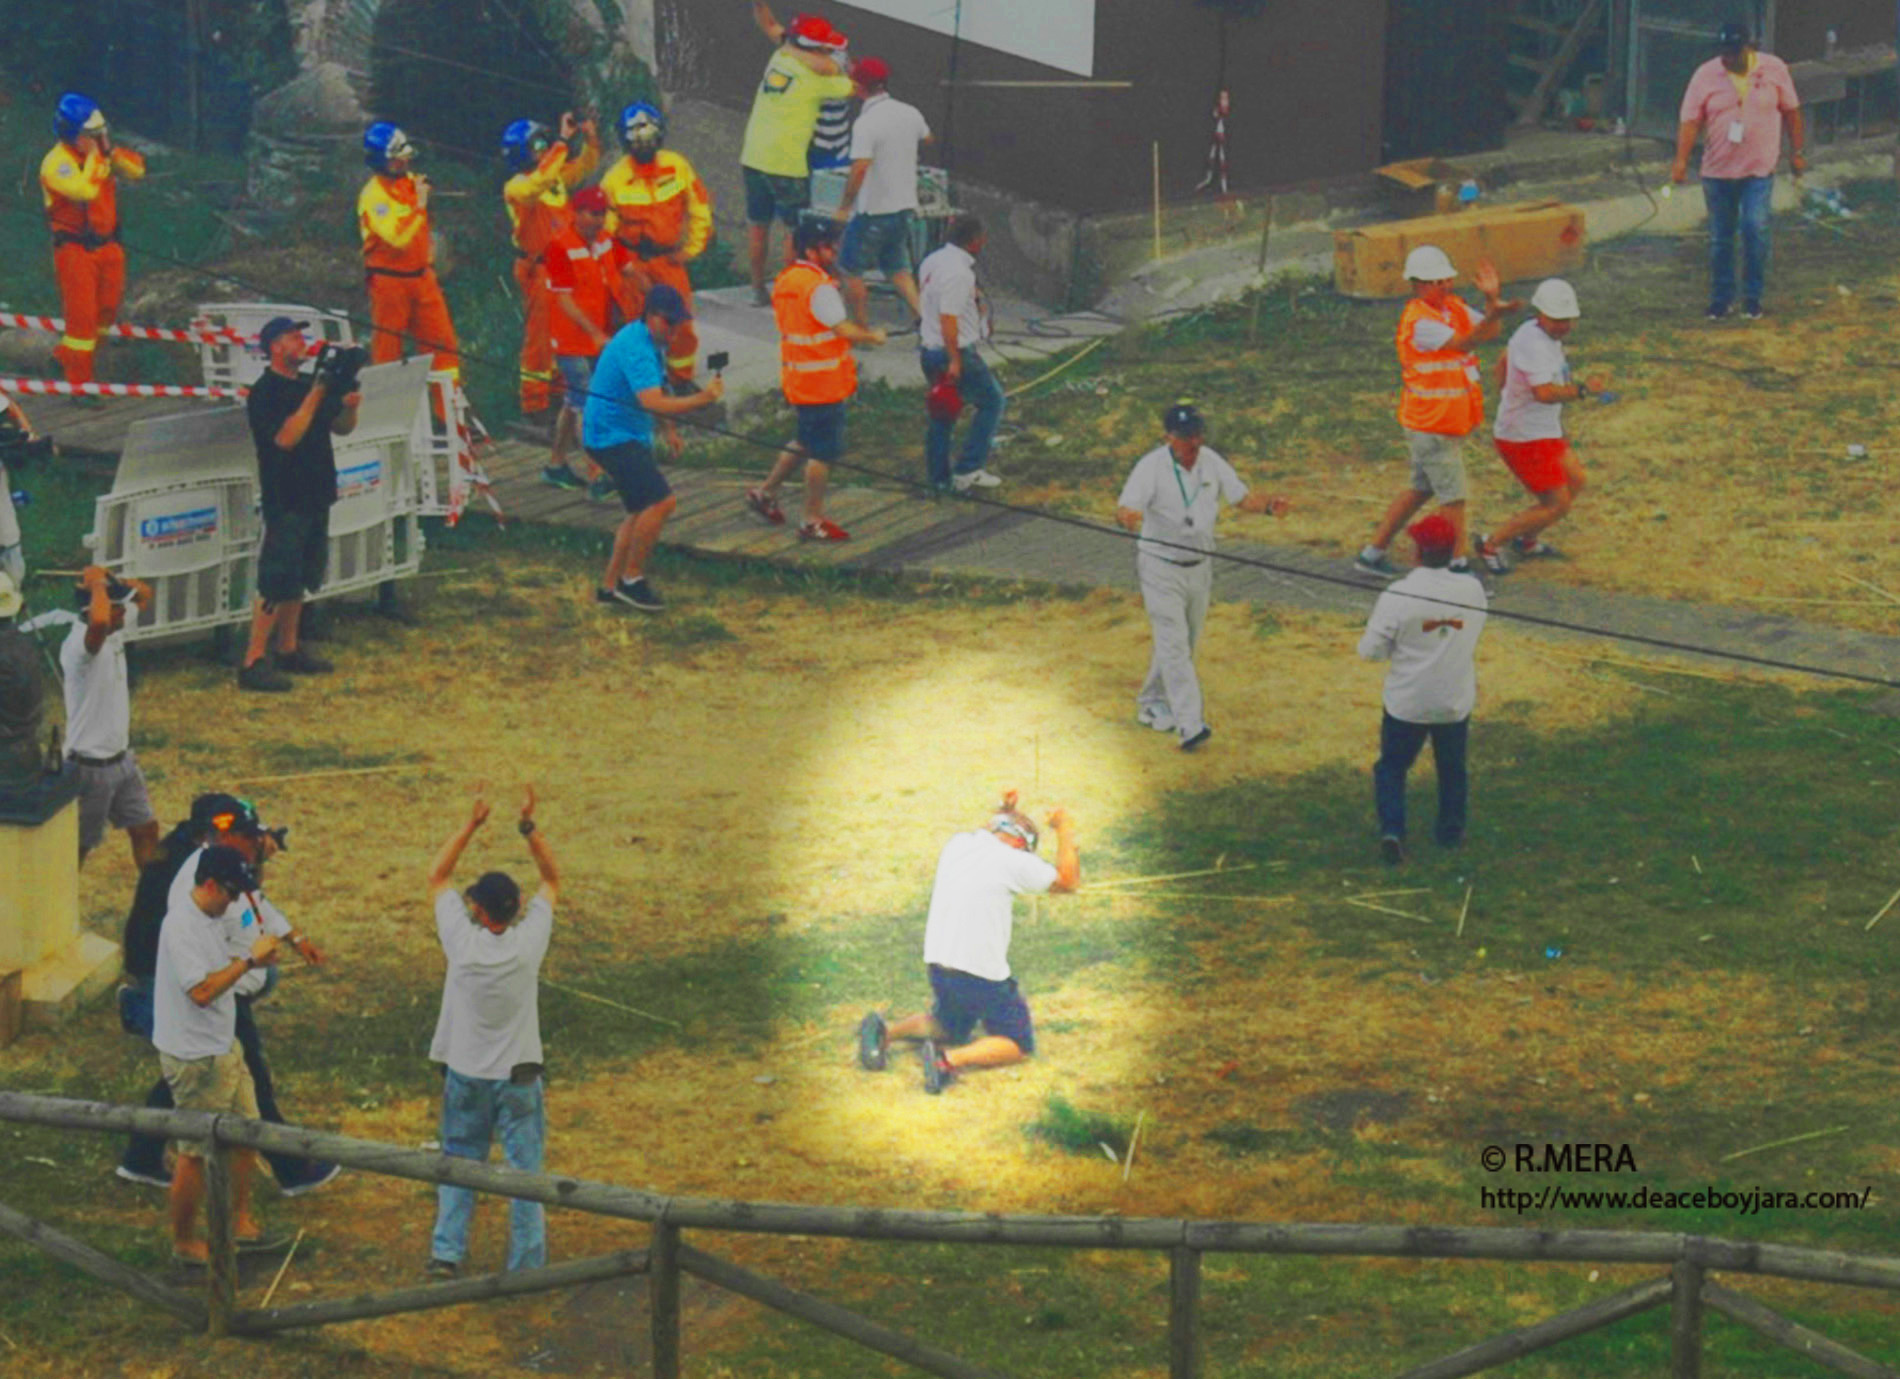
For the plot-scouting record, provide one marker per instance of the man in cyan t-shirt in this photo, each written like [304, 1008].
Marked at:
[488, 1035]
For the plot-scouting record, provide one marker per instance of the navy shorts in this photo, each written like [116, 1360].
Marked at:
[638, 479]
[768, 196]
[876, 241]
[296, 549]
[963, 1000]
[821, 430]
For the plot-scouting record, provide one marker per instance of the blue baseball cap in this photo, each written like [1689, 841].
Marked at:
[664, 300]
[1734, 34]
[279, 325]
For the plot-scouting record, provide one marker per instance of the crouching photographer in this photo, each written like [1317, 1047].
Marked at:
[293, 417]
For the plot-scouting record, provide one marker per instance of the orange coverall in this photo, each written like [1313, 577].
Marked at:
[662, 213]
[538, 211]
[407, 310]
[82, 208]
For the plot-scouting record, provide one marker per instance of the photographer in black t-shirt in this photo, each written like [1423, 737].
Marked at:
[292, 419]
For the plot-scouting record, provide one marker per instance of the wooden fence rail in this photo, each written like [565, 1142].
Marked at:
[1686, 1289]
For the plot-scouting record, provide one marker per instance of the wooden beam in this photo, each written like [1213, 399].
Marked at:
[1184, 1307]
[102, 1267]
[1767, 1322]
[220, 1240]
[663, 1301]
[1566, 54]
[516, 1283]
[1685, 1320]
[1516, 1344]
[830, 1317]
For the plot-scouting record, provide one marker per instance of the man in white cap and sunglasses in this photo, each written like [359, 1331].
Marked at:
[1535, 382]
[1441, 399]
[966, 948]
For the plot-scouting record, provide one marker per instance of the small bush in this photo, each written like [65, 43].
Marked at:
[1080, 1132]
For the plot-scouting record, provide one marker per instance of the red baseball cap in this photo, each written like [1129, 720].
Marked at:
[1434, 533]
[871, 71]
[590, 199]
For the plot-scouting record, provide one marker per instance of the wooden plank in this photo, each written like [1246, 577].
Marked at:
[516, 1283]
[830, 1317]
[1516, 1344]
[103, 1267]
[1685, 1320]
[1184, 1307]
[220, 1239]
[1767, 1322]
[1566, 54]
[663, 1301]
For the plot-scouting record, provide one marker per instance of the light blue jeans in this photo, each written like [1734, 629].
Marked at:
[476, 1111]
[1737, 203]
[979, 388]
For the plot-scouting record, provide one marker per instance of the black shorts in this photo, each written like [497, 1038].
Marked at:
[962, 1000]
[296, 548]
[769, 197]
[821, 429]
[635, 474]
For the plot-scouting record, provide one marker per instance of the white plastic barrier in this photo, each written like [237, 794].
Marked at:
[183, 510]
[445, 437]
[236, 366]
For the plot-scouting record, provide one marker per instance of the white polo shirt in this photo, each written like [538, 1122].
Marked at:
[1532, 359]
[1179, 506]
[1427, 625]
[888, 132]
[191, 946]
[491, 1014]
[971, 909]
[98, 696]
[946, 286]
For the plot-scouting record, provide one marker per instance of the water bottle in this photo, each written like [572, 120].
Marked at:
[1468, 191]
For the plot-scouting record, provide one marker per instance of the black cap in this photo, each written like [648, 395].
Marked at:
[813, 231]
[226, 866]
[498, 895]
[276, 326]
[1184, 419]
[1733, 34]
[224, 813]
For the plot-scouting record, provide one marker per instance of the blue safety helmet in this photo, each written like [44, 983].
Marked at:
[642, 130]
[523, 143]
[75, 115]
[383, 144]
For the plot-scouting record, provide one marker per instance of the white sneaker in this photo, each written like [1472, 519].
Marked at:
[976, 478]
[1160, 722]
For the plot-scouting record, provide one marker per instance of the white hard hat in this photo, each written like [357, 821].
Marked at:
[1556, 299]
[1428, 264]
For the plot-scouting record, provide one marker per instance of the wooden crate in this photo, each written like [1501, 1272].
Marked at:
[1533, 240]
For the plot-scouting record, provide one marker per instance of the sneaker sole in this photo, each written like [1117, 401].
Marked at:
[873, 1051]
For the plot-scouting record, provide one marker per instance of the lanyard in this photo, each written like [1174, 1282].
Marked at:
[1187, 504]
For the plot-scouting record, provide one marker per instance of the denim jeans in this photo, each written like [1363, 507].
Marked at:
[475, 1112]
[980, 389]
[1399, 744]
[1732, 201]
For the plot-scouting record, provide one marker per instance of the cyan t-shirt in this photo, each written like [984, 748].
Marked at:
[628, 367]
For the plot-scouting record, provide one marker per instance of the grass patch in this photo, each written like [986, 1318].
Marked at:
[1077, 1131]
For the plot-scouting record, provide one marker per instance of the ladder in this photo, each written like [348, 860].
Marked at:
[1544, 31]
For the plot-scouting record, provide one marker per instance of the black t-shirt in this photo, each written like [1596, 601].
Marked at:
[151, 900]
[303, 478]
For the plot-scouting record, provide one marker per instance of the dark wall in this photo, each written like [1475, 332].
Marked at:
[1444, 79]
[1801, 25]
[1305, 79]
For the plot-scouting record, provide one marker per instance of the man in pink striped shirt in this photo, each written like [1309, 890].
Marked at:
[1737, 103]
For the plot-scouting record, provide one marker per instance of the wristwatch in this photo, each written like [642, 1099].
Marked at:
[526, 826]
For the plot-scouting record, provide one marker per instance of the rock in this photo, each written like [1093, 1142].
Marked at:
[27, 351]
[320, 100]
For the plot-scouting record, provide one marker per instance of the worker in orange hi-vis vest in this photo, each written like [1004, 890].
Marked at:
[662, 213]
[543, 171]
[1441, 400]
[817, 374]
[407, 311]
[589, 276]
[78, 183]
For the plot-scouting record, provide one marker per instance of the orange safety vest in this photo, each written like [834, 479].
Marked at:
[91, 212]
[815, 362]
[1441, 393]
[663, 201]
[395, 230]
[593, 271]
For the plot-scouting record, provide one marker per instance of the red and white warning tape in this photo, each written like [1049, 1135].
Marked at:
[210, 335]
[57, 387]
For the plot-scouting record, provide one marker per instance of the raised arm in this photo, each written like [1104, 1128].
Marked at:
[768, 25]
[538, 846]
[451, 853]
[1068, 860]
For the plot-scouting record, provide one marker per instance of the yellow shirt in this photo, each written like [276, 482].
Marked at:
[784, 113]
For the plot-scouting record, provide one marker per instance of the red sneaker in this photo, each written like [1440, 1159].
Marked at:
[765, 507]
[824, 529]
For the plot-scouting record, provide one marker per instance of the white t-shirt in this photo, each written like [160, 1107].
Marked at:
[827, 304]
[1532, 359]
[970, 903]
[1179, 506]
[1427, 625]
[946, 286]
[9, 519]
[98, 697]
[191, 946]
[888, 132]
[491, 1013]
[240, 923]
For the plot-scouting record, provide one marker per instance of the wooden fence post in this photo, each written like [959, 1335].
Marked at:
[1184, 1305]
[1685, 1320]
[220, 1238]
[663, 1299]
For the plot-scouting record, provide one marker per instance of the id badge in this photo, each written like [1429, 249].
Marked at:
[1735, 131]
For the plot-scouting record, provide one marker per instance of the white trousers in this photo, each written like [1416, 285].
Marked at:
[1176, 598]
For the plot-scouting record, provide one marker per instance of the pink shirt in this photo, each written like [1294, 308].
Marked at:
[1710, 101]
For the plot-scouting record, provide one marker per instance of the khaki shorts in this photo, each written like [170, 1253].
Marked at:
[1438, 465]
[222, 1083]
